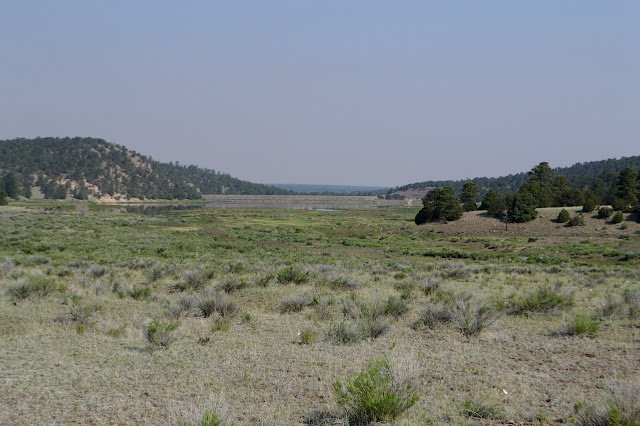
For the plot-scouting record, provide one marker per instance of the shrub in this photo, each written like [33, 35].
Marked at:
[605, 212]
[433, 315]
[194, 279]
[231, 284]
[33, 286]
[181, 307]
[481, 410]
[37, 259]
[219, 303]
[96, 271]
[623, 408]
[588, 206]
[155, 273]
[543, 299]
[160, 334]
[395, 307]
[376, 394]
[430, 283]
[139, 292]
[264, 281]
[439, 204]
[617, 218]
[292, 274]
[577, 220]
[523, 208]
[6, 267]
[580, 324]
[307, 337]
[375, 328]
[563, 216]
[632, 299]
[221, 325]
[470, 316]
[345, 332]
[612, 306]
[295, 303]
[209, 418]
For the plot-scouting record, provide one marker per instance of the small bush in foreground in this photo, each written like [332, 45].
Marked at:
[433, 314]
[295, 303]
[430, 284]
[6, 267]
[376, 394]
[307, 337]
[160, 334]
[219, 303]
[470, 316]
[623, 408]
[30, 287]
[544, 299]
[345, 332]
[579, 325]
[292, 274]
[481, 410]
[209, 418]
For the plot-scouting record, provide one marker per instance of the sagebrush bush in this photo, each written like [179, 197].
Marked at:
[611, 306]
[7, 265]
[375, 328]
[296, 303]
[469, 315]
[96, 271]
[307, 337]
[482, 409]
[219, 303]
[621, 409]
[194, 279]
[292, 274]
[378, 393]
[231, 284]
[544, 299]
[139, 291]
[37, 259]
[632, 300]
[156, 272]
[345, 332]
[181, 307]
[434, 314]
[430, 283]
[160, 334]
[32, 287]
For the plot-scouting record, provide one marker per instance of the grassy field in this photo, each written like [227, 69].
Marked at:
[108, 317]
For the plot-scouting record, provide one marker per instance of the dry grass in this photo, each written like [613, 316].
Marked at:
[53, 374]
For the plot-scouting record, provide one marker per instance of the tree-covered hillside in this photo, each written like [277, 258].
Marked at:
[581, 176]
[89, 167]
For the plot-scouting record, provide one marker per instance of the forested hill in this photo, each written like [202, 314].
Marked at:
[580, 175]
[88, 167]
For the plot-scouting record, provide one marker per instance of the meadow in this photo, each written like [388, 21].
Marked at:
[261, 316]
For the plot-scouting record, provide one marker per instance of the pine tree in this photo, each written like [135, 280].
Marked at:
[470, 192]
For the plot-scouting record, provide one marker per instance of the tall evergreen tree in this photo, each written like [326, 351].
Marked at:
[11, 185]
[3, 198]
[470, 191]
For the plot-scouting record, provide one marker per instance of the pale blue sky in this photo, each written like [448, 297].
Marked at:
[335, 92]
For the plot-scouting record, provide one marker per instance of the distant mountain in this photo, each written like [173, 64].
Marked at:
[93, 168]
[580, 175]
[332, 189]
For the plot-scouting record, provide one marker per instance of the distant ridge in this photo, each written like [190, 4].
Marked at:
[580, 175]
[332, 189]
[90, 168]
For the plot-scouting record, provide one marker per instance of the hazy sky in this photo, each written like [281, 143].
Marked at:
[335, 92]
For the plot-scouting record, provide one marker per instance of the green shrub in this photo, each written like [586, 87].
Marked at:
[579, 325]
[160, 334]
[395, 307]
[31, 287]
[622, 409]
[605, 212]
[577, 220]
[543, 299]
[292, 274]
[307, 337]
[433, 314]
[376, 394]
[430, 283]
[481, 410]
[221, 325]
[345, 332]
[617, 218]
[589, 206]
[231, 284]
[563, 216]
[139, 292]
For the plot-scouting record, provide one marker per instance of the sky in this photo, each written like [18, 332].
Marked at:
[362, 92]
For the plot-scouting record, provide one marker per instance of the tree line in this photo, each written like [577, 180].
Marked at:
[83, 167]
[542, 188]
